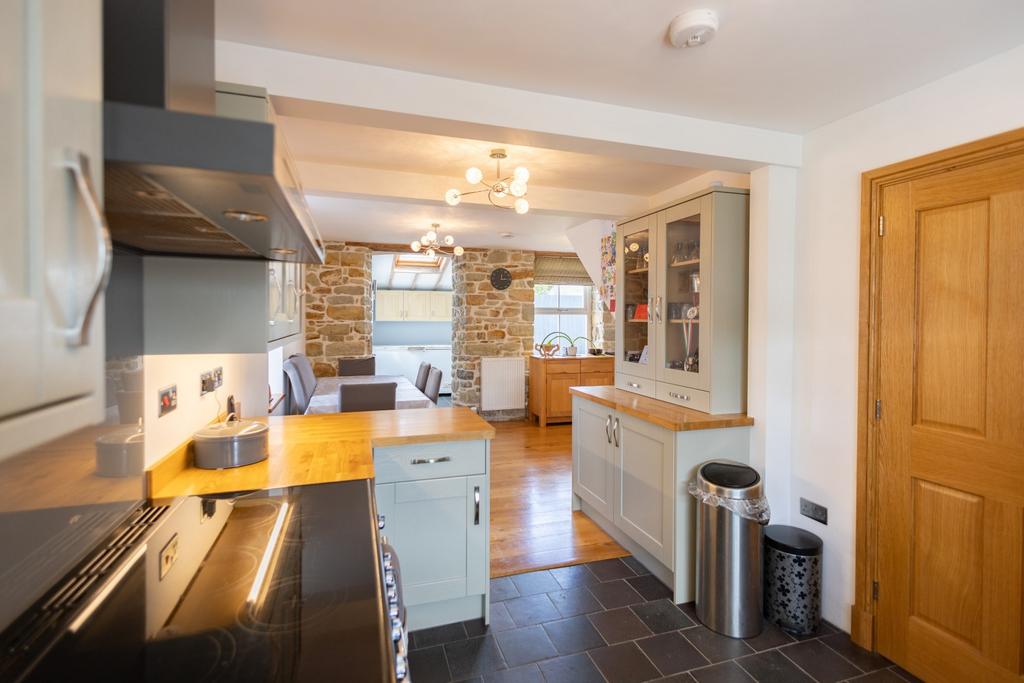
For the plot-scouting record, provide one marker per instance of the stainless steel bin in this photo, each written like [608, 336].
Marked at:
[731, 513]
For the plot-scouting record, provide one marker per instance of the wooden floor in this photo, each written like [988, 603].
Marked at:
[532, 525]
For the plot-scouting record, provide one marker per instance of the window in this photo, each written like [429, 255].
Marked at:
[562, 308]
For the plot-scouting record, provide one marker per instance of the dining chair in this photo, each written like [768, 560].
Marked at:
[298, 396]
[421, 375]
[306, 374]
[359, 397]
[347, 367]
[433, 388]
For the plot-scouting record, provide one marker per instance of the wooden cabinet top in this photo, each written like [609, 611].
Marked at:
[675, 418]
[583, 357]
[316, 449]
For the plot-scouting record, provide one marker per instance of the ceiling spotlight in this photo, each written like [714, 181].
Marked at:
[693, 29]
[246, 216]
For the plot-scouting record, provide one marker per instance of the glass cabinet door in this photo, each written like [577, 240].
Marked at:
[635, 297]
[683, 297]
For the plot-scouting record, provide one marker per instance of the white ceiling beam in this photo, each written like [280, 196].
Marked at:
[390, 98]
[374, 183]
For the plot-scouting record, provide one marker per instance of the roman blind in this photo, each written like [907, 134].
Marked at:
[560, 270]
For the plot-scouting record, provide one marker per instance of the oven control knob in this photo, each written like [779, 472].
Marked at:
[387, 564]
[380, 521]
[396, 629]
[389, 578]
[392, 594]
[393, 610]
[401, 670]
[388, 557]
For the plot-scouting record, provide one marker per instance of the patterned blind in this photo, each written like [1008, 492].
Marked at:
[560, 270]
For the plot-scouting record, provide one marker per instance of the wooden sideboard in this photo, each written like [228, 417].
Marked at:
[551, 377]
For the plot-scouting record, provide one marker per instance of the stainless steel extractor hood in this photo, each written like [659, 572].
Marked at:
[178, 178]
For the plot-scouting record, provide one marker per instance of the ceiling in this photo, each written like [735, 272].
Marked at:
[788, 65]
[386, 277]
[354, 145]
[396, 222]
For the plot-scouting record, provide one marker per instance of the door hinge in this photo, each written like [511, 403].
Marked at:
[878, 409]
[881, 225]
[874, 590]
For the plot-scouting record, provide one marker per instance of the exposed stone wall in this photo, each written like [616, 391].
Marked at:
[339, 318]
[602, 323]
[489, 322]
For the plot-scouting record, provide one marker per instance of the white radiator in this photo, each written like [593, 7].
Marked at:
[502, 383]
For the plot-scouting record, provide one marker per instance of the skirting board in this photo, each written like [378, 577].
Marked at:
[431, 614]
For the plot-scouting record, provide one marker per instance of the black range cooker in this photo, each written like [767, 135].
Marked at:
[297, 586]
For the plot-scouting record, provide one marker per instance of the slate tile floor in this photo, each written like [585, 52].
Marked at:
[612, 622]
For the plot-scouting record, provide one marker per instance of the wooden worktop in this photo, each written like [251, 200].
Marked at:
[316, 449]
[661, 413]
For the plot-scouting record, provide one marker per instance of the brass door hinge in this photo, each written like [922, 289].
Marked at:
[874, 590]
[881, 226]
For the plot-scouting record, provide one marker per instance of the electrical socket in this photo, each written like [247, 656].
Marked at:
[210, 380]
[819, 513]
[168, 397]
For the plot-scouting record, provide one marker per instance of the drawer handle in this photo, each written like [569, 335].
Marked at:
[476, 506]
[681, 397]
[608, 428]
[615, 432]
[633, 384]
[430, 461]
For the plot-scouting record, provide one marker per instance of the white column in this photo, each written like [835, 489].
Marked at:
[770, 354]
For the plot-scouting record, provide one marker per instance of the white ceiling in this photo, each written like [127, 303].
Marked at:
[353, 145]
[383, 275]
[783, 64]
[371, 220]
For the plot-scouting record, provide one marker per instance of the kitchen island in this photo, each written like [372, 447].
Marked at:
[632, 457]
[431, 474]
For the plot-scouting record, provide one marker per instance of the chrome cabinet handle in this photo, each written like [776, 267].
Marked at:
[633, 384]
[681, 397]
[615, 432]
[657, 308]
[608, 428]
[77, 163]
[430, 461]
[650, 306]
[476, 506]
[380, 521]
[101, 595]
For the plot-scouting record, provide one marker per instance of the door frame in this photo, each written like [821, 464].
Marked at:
[873, 183]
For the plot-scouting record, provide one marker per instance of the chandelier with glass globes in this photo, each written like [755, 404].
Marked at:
[431, 243]
[505, 192]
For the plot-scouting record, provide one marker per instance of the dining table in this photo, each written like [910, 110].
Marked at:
[325, 397]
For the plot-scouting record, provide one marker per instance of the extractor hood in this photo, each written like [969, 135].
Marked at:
[179, 179]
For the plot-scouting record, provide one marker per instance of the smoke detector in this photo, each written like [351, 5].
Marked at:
[693, 29]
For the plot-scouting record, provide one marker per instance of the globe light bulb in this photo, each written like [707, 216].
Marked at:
[415, 246]
[453, 197]
[521, 206]
[425, 240]
[459, 251]
[522, 174]
[517, 188]
[430, 253]
[474, 175]
[449, 240]
[431, 236]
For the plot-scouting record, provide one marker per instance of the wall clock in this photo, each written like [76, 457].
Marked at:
[501, 278]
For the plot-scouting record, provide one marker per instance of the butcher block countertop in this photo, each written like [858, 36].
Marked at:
[675, 418]
[316, 449]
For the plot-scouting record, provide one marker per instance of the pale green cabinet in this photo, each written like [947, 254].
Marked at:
[593, 454]
[643, 507]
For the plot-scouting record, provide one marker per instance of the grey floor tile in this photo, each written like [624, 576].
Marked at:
[571, 669]
[823, 663]
[624, 663]
[861, 658]
[606, 570]
[438, 635]
[879, 676]
[574, 601]
[535, 582]
[533, 609]
[615, 593]
[570, 636]
[521, 674]
[671, 653]
[525, 645]
[723, 672]
[472, 657]
[574, 576]
[429, 665]
[650, 587]
[690, 610]
[904, 674]
[501, 620]
[635, 565]
[503, 589]
[661, 616]
[772, 636]
[716, 647]
[772, 666]
[824, 629]
[618, 625]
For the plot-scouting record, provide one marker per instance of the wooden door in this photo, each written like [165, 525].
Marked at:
[950, 375]
[559, 400]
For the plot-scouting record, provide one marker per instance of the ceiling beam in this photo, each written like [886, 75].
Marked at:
[319, 87]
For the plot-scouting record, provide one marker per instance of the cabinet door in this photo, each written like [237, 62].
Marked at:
[55, 251]
[559, 400]
[636, 246]
[645, 468]
[275, 301]
[292, 295]
[417, 306]
[390, 305]
[438, 528]
[441, 306]
[596, 379]
[683, 303]
[592, 455]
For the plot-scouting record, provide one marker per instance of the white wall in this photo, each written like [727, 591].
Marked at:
[585, 239]
[982, 100]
